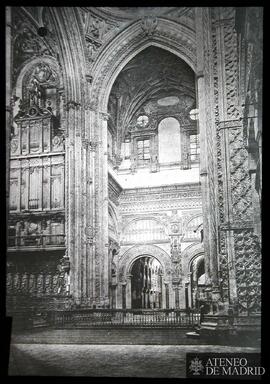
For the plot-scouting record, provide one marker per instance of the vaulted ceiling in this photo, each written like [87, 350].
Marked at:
[142, 85]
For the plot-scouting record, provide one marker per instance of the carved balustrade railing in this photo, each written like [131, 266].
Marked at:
[123, 318]
[37, 240]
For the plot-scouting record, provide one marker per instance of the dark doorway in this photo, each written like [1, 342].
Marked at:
[146, 283]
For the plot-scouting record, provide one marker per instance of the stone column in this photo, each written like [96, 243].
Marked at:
[207, 142]
[176, 296]
[124, 295]
[8, 103]
[189, 290]
[119, 304]
[225, 161]
[163, 295]
[101, 213]
[171, 296]
[128, 291]
[73, 197]
[182, 298]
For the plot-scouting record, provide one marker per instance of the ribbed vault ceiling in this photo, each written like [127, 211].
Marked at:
[150, 76]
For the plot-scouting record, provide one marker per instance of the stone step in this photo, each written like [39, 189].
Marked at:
[129, 336]
[193, 335]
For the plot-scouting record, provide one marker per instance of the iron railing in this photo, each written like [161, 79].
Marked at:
[123, 318]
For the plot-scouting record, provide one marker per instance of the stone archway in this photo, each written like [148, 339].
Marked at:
[86, 120]
[124, 273]
[146, 283]
[179, 41]
[191, 253]
[105, 70]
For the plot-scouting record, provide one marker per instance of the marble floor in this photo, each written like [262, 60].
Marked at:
[157, 361]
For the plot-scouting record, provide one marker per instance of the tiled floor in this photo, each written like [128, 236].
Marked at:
[106, 360]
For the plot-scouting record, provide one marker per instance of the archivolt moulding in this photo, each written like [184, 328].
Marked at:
[169, 36]
[192, 251]
[136, 252]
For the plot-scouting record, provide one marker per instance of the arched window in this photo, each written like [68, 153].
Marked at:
[169, 142]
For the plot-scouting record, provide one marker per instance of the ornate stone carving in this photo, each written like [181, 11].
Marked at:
[96, 31]
[163, 198]
[149, 25]
[89, 234]
[248, 271]
[72, 104]
[113, 250]
[26, 41]
[240, 179]
[231, 68]
[62, 278]
[58, 142]
[122, 48]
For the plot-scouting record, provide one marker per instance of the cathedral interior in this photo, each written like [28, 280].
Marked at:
[134, 161]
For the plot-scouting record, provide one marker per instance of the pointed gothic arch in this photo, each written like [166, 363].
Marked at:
[179, 41]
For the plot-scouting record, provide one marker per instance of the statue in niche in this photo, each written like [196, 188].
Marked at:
[113, 254]
[63, 274]
[35, 93]
[60, 279]
[42, 77]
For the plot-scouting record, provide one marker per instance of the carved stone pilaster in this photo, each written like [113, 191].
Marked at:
[206, 127]
[234, 184]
